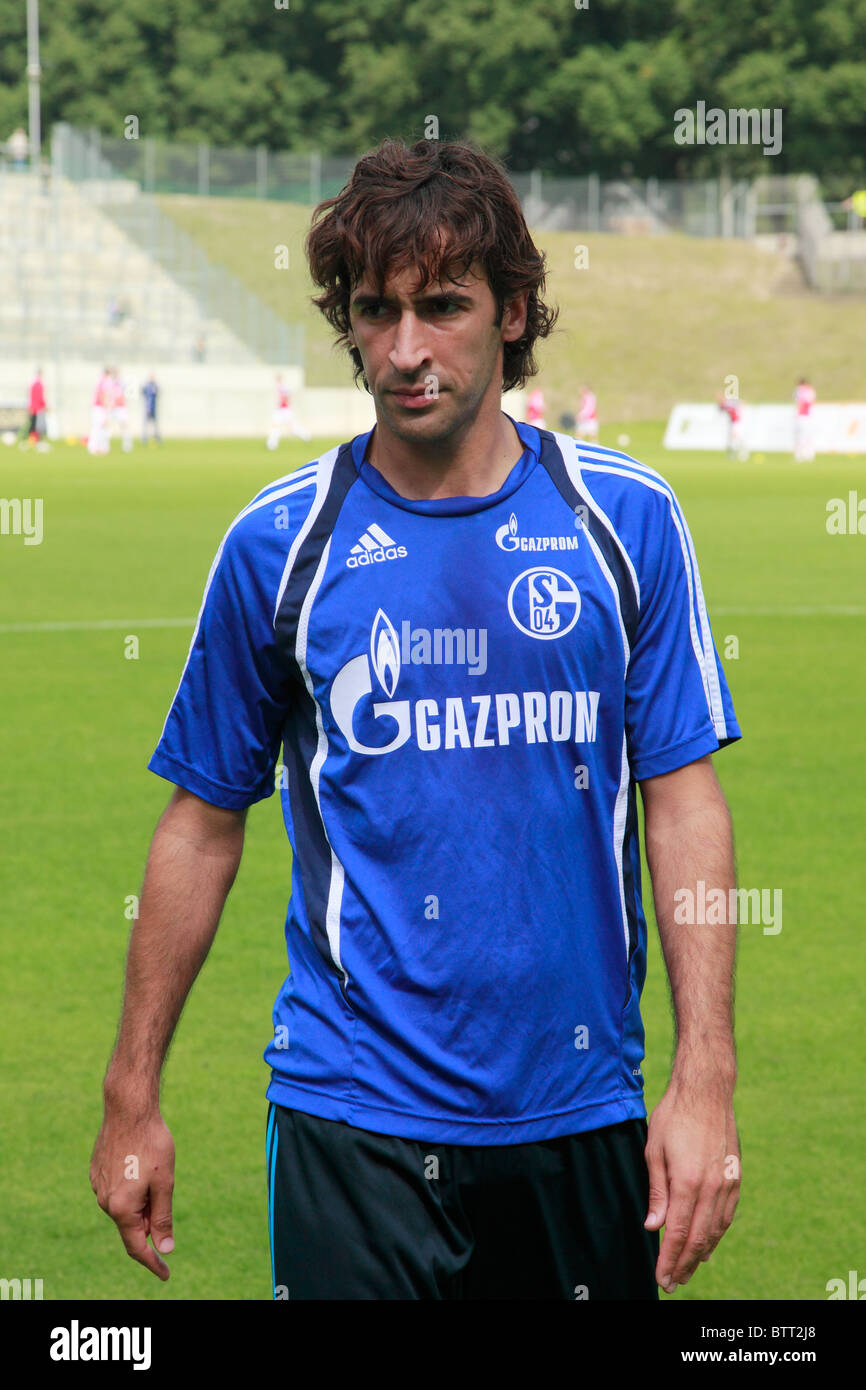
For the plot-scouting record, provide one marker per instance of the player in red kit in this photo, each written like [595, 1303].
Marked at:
[36, 426]
[587, 415]
[804, 438]
[97, 442]
[283, 419]
[535, 409]
[118, 409]
[737, 447]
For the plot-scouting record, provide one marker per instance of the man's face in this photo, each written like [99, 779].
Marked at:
[429, 355]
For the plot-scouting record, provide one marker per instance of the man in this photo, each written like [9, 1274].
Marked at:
[118, 410]
[18, 148]
[456, 1099]
[535, 409]
[856, 205]
[804, 439]
[98, 441]
[737, 447]
[587, 415]
[150, 398]
[36, 423]
[283, 418]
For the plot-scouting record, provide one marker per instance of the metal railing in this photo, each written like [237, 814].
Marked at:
[703, 207]
[162, 166]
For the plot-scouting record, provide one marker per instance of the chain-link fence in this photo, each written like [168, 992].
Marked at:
[701, 207]
[159, 166]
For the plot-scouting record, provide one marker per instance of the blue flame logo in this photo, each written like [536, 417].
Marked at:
[385, 653]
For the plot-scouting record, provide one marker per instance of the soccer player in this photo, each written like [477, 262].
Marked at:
[804, 439]
[737, 447]
[283, 419]
[118, 414]
[36, 423]
[476, 640]
[587, 415]
[535, 409]
[150, 399]
[98, 440]
[857, 204]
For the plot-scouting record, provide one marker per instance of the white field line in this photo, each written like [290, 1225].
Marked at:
[106, 624]
[132, 624]
[831, 610]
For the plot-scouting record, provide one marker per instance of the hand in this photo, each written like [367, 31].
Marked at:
[132, 1174]
[693, 1157]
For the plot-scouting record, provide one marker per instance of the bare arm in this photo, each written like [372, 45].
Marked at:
[192, 864]
[692, 1147]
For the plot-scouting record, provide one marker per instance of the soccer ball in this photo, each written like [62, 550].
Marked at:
[623, 440]
[8, 436]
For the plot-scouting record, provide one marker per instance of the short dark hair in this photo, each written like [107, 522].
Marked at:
[391, 216]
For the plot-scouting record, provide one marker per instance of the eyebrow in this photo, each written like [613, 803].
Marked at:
[360, 301]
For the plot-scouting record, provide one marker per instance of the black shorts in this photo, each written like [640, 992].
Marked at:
[359, 1215]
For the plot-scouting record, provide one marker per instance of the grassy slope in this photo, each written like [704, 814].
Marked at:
[650, 322]
[134, 537]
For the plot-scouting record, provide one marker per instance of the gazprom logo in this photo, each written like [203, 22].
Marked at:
[489, 719]
[353, 683]
[385, 653]
[507, 538]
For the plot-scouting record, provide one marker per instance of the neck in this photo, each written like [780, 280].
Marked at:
[473, 461]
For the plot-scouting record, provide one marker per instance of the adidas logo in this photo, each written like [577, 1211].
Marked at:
[373, 548]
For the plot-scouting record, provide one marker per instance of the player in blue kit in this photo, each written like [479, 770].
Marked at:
[474, 639]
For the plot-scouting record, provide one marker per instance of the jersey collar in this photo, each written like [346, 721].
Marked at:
[450, 506]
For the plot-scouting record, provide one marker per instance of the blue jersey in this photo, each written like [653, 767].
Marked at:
[467, 691]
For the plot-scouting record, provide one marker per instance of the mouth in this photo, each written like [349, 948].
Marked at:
[413, 397]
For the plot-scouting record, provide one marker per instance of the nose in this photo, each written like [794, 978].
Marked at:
[409, 349]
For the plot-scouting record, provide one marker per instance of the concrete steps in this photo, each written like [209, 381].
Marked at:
[69, 273]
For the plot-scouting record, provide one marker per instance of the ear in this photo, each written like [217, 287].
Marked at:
[514, 317]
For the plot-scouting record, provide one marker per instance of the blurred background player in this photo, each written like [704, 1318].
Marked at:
[282, 421]
[535, 409]
[149, 397]
[856, 204]
[587, 415]
[736, 439]
[36, 424]
[97, 442]
[18, 149]
[118, 411]
[804, 435]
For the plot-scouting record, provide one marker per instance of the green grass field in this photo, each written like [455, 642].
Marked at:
[129, 540]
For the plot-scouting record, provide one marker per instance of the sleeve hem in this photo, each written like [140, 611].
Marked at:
[217, 793]
[681, 754]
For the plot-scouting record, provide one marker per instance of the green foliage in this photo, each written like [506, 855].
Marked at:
[539, 82]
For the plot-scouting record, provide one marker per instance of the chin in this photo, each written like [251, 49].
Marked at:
[432, 424]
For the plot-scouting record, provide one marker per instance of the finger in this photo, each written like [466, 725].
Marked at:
[677, 1225]
[726, 1204]
[160, 1222]
[717, 1223]
[658, 1189]
[698, 1241]
[131, 1226]
[731, 1201]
